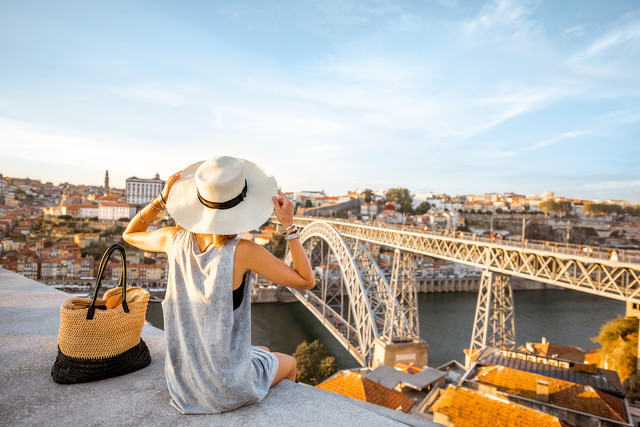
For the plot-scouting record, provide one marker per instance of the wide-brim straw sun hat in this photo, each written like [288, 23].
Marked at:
[222, 195]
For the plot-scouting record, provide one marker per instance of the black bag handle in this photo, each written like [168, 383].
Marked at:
[122, 282]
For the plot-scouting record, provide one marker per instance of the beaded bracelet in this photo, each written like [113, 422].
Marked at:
[291, 236]
[140, 216]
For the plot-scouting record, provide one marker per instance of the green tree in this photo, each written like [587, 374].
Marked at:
[308, 204]
[551, 206]
[314, 363]
[401, 197]
[632, 387]
[619, 340]
[368, 195]
[423, 208]
[598, 209]
[279, 246]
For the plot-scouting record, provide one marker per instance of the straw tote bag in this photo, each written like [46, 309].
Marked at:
[100, 337]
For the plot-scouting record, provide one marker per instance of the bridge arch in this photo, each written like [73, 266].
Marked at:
[355, 306]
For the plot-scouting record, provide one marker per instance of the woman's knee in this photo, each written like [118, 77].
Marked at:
[286, 368]
[288, 362]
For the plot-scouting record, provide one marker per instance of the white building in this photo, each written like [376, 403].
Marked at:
[142, 191]
[302, 197]
[369, 209]
[80, 211]
[115, 211]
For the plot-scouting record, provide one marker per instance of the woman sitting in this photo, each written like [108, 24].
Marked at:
[211, 366]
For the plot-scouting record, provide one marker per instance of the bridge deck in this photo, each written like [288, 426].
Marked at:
[558, 264]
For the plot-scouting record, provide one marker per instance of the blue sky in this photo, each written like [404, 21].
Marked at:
[444, 95]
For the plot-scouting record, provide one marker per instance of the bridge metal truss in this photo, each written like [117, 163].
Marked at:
[612, 279]
[494, 311]
[402, 325]
[362, 291]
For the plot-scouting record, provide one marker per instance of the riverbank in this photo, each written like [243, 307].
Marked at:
[433, 285]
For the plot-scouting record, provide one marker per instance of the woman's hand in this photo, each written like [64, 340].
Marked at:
[167, 187]
[284, 209]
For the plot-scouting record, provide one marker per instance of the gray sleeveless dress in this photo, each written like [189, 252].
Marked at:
[211, 366]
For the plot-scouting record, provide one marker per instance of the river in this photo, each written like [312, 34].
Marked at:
[446, 320]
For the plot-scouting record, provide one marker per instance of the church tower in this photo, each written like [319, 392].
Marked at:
[106, 182]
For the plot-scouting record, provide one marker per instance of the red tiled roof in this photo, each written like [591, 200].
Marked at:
[554, 350]
[470, 408]
[75, 207]
[353, 385]
[116, 205]
[577, 397]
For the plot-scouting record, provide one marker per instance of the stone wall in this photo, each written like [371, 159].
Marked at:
[30, 313]
[331, 210]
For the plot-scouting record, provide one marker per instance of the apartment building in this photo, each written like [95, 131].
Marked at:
[142, 191]
[113, 211]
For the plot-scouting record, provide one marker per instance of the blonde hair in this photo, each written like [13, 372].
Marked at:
[221, 239]
[218, 239]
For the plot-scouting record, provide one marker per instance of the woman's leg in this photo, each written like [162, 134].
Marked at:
[286, 368]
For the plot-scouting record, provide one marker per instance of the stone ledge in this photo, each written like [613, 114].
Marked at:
[29, 321]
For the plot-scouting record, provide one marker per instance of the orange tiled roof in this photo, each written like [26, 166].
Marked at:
[577, 397]
[472, 408]
[353, 385]
[409, 369]
[592, 357]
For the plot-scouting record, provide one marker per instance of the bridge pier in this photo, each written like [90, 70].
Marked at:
[633, 310]
[400, 341]
[402, 324]
[387, 352]
[494, 310]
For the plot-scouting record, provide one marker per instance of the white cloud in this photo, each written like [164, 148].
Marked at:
[70, 148]
[575, 31]
[614, 185]
[628, 33]
[172, 95]
[501, 15]
[558, 138]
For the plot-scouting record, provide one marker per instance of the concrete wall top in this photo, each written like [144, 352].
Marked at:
[29, 322]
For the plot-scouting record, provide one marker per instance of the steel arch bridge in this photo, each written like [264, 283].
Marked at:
[353, 299]
[375, 316]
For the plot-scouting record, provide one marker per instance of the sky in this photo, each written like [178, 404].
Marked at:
[449, 96]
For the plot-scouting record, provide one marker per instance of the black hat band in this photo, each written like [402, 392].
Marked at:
[224, 205]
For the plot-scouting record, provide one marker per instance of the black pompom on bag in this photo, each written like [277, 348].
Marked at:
[100, 337]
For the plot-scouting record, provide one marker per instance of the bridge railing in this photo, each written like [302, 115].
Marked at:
[596, 252]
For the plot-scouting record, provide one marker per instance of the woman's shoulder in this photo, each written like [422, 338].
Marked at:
[248, 249]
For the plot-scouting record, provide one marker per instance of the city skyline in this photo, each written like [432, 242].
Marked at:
[378, 191]
[449, 96]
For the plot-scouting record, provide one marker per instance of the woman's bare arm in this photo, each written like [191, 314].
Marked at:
[251, 256]
[136, 233]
